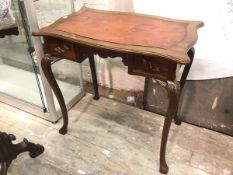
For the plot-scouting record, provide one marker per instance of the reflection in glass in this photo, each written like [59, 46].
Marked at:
[67, 73]
[18, 71]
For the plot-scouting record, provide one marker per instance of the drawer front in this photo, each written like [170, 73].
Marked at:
[152, 67]
[60, 48]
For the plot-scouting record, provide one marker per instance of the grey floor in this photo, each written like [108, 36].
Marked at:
[110, 138]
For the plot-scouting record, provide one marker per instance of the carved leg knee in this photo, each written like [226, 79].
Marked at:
[173, 95]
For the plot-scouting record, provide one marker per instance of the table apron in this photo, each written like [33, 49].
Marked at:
[147, 66]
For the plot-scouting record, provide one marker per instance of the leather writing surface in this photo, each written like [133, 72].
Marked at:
[127, 33]
[125, 29]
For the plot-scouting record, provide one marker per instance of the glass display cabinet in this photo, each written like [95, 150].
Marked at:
[21, 82]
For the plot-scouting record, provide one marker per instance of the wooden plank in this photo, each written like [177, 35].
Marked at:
[107, 137]
[211, 164]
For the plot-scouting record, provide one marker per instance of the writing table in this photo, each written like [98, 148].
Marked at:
[150, 46]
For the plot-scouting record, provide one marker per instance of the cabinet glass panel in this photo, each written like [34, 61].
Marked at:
[19, 75]
[67, 73]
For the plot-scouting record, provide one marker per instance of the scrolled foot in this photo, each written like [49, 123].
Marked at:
[33, 149]
[63, 130]
[177, 122]
[40, 150]
[96, 97]
[9, 151]
[163, 168]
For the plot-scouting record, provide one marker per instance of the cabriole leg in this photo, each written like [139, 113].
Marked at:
[173, 95]
[94, 77]
[185, 73]
[46, 66]
[144, 103]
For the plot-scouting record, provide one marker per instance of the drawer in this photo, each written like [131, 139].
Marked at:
[152, 67]
[60, 48]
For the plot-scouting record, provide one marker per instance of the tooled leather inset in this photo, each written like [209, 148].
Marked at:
[125, 29]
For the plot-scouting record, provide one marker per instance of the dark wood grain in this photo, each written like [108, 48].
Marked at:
[59, 48]
[183, 79]
[46, 67]
[190, 53]
[94, 77]
[151, 67]
[173, 90]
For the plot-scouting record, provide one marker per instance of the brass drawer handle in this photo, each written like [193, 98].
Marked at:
[155, 68]
[62, 49]
[149, 65]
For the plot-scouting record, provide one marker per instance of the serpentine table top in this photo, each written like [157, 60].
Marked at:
[127, 32]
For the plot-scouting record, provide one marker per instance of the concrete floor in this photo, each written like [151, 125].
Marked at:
[110, 138]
